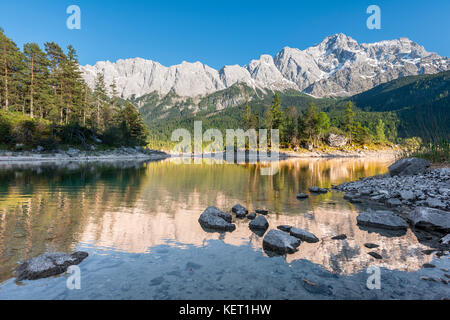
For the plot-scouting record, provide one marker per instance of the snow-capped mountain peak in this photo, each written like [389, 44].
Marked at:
[337, 66]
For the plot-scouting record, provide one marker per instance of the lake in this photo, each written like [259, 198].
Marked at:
[139, 223]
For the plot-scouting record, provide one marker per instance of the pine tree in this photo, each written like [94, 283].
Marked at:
[37, 75]
[56, 59]
[11, 64]
[349, 119]
[291, 124]
[133, 125]
[323, 123]
[311, 123]
[380, 135]
[246, 117]
[99, 94]
[73, 85]
[277, 114]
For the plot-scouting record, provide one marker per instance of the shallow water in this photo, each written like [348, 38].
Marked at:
[139, 223]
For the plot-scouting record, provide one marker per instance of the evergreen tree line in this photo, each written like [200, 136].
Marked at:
[45, 101]
[312, 127]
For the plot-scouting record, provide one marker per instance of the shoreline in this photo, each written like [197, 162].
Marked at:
[422, 199]
[388, 154]
[75, 155]
[129, 154]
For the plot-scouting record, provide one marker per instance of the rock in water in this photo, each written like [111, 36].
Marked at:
[432, 219]
[314, 189]
[408, 166]
[381, 219]
[213, 218]
[336, 140]
[302, 195]
[339, 237]
[280, 242]
[260, 223]
[251, 216]
[303, 235]
[375, 255]
[393, 202]
[318, 190]
[48, 264]
[240, 211]
[262, 211]
[371, 245]
[284, 228]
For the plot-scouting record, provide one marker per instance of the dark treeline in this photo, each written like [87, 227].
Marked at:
[45, 101]
[311, 127]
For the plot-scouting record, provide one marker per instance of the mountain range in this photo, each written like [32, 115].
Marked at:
[339, 66]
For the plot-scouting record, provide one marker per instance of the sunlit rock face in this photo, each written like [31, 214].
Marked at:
[338, 66]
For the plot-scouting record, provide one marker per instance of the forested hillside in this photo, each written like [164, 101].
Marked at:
[416, 106]
[422, 103]
[45, 102]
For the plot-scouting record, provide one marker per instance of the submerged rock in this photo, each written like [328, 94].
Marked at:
[213, 218]
[339, 237]
[318, 190]
[303, 235]
[48, 264]
[429, 218]
[262, 211]
[375, 255]
[316, 288]
[280, 242]
[381, 219]
[260, 223]
[353, 197]
[408, 166]
[371, 245]
[240, 211]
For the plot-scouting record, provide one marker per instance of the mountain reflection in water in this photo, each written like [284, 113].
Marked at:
[133, 207]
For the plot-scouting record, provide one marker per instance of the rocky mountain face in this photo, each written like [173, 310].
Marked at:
[338, 66]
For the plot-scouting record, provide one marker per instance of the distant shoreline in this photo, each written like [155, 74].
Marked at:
[130, 154]
[390, 153]
[124, 154]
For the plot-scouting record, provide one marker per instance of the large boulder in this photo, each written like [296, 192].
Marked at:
[259, 223]
[336, 140]
[280, 242]
[213, 218]
[429, 218]
[408, 166]
[381, 219]
[239, 210]
[303, 235]
[48, 264]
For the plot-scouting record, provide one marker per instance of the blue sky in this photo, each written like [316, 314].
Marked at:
[218, 32]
